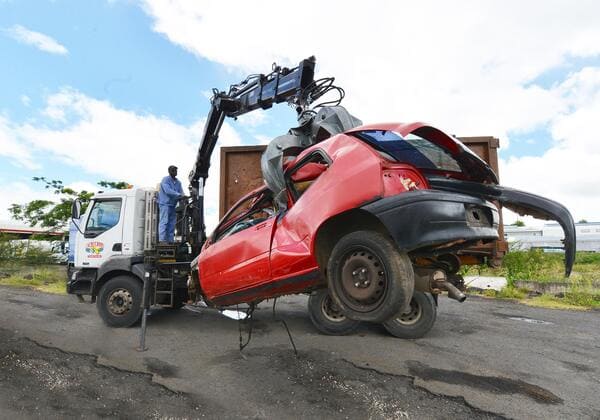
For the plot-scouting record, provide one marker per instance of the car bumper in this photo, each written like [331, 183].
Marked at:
[436, 222]
[521, 202]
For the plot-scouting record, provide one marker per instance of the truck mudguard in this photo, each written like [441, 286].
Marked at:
[130, 264]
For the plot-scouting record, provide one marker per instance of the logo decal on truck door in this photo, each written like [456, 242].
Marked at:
[94, 249]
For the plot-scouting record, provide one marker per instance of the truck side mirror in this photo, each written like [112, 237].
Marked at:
[76, 209]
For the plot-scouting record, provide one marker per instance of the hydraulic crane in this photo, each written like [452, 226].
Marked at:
[258, 91]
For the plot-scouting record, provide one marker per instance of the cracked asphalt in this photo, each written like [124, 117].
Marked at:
[483, 359]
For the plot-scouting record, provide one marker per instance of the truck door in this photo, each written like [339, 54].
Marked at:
[102, 234]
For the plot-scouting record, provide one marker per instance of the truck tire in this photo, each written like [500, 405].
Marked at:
[368, 278]
[417, 321]
[326, 316]
[119, 302]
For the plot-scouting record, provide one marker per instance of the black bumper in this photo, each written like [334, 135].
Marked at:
[523, 203]
[80, 280]
[431, 221]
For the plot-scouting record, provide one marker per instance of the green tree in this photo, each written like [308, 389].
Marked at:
[582, 221]
[56, 214]
[519, 223]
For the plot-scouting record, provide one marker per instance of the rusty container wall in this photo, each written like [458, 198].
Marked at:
[487, 149]
[241, 173]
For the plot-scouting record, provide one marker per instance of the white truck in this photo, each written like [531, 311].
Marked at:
[115, 247]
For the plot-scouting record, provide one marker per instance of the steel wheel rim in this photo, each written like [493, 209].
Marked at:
[331, 311]
[412, 316]
[363, 280]
[120, 301]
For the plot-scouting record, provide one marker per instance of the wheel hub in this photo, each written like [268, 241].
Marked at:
[120, 301]
[412, 315]
[363, 278]
[331, 311]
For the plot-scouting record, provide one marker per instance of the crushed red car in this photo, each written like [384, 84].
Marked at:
[372, 225]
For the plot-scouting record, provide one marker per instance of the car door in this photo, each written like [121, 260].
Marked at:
[237, 256]
[102, 234]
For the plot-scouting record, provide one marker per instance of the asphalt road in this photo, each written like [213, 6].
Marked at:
[483, 359]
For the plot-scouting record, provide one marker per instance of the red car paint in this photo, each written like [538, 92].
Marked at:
[276, 256]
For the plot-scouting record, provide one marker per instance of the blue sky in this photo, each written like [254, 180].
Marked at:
[112, 55]
[99, 80]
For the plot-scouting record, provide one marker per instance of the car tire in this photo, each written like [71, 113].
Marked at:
[119, 302]
[368, 278]
[327, 317]
[417, 321]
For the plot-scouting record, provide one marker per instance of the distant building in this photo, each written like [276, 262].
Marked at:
[549, 237]
[23, 231]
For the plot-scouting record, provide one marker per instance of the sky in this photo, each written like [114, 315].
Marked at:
[119, 89]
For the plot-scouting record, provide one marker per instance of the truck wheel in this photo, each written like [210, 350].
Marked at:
[326, 315]
[119, 302]
[417, 321]
[368, 278]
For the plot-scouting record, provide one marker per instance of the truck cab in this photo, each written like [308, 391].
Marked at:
[115, 247]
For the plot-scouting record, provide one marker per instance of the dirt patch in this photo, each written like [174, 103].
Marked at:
[577, 367]
[159, 367]
[493, 384]
[37, 381]
[317, 384]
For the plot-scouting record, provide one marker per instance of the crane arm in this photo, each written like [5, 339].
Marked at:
[256, 92]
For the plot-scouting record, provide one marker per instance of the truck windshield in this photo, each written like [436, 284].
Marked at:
[104, 215]
[411, 149]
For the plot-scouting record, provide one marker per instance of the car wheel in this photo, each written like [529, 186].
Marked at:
[368, 278]
[326, 315]
[417, 320]
[119, 302]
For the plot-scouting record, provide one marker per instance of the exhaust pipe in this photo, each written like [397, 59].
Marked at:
[453, 292]
[435, 281]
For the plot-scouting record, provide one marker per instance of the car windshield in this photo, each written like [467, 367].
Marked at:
[248, 212]
[411, 149]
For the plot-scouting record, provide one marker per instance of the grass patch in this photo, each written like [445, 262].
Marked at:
[49, 279]
[539, 266]
[553, 302]
[505, 293]
[575, 299]
[512, 293]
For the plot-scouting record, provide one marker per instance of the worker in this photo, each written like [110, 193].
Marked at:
[169, 193]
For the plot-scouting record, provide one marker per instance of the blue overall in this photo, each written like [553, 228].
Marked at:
[170, 191]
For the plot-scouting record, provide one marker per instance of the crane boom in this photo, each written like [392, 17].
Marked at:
[256, 92]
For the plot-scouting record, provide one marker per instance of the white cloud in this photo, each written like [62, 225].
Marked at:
[84, 186]
[465, 66]
[567, 172]
[36, 39]
[253, 119]
[25, 100]
[262, 139]
[11, 148]
[19, 193]
[114, 144]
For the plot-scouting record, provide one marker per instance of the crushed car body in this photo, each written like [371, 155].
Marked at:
[372, 215]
